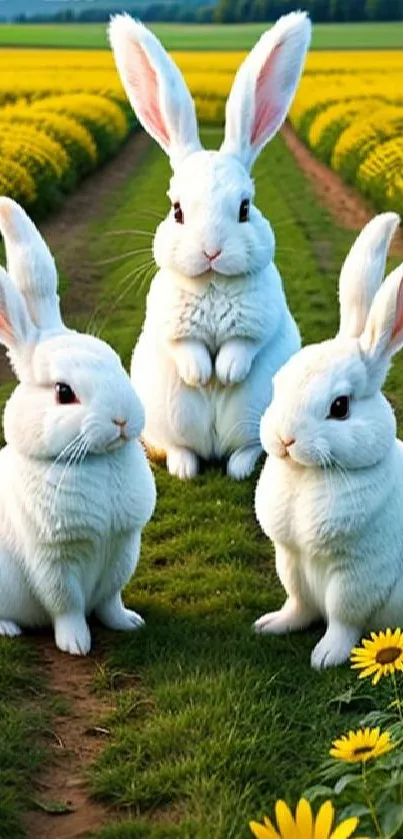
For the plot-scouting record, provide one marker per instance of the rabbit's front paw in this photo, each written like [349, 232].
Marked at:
[72, 634]
[335, 646]
[232, 365]
[183, 463]
[9, 628]
[242, 462]
[195, 368]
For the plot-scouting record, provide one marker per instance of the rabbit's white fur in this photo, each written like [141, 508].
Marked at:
[75, 487]
[330, 495]
[217, 327]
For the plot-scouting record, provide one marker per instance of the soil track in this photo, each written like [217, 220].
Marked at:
[342, 201]
[78, 738]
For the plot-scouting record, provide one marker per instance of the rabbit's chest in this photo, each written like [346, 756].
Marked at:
[89, 502]
[214, 315]
[301, 509]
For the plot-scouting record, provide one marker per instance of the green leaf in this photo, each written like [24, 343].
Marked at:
[57, 808]
[318, 791]
[358, 810]
[392, 820]
[346, 781]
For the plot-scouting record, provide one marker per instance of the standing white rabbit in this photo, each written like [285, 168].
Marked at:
[331, 492]
[217, 325]
[75, 486]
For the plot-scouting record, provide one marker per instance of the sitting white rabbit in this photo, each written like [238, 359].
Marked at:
[217, 325]
[330, 495]
[75, 485]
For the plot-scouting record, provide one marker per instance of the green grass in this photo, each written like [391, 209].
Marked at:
[212, 724]
[24, 711]
[191, 37]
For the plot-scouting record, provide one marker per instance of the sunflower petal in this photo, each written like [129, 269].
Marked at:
[262, 832]
[304, 819]
[285, 821]
[324, 821]
[345, 829]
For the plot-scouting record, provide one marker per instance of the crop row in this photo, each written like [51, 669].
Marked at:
[63, 112]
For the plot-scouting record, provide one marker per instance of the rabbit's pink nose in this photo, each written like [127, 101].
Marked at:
[212, 256]
[120, 422]
[288, 443]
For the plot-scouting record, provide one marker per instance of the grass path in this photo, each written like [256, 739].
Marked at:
[208, 724]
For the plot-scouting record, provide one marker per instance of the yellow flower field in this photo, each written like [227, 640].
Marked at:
[72, 113]
[349, 110]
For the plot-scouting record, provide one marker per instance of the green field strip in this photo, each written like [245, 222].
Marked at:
[202, 37]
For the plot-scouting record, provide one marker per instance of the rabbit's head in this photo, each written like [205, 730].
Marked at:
[327, 408]
[213, 224]
[74, 397]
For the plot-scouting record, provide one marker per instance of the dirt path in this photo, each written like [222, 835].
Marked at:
[78, 740]
[65, 231]
[342, 201]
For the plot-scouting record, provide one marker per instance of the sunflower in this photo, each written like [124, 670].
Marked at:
[304, 825]
[360, 746]
[380, 655]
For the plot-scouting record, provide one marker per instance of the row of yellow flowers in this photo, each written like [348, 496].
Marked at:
[378, 656]
[349, 110]
[62, 113]
[352, 118]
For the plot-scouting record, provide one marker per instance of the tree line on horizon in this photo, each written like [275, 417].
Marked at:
[233, 11]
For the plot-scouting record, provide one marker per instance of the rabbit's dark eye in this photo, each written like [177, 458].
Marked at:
[64, 394]
[178, 213]
[340, 408]
[244, 210]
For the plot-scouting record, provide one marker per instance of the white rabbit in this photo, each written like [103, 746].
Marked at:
[75, 486]
[217, 325]
[330, 495]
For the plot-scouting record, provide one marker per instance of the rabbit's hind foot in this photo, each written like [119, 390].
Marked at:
[114, 615]
[292, 617]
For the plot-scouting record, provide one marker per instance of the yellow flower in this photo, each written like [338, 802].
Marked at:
[362, 745]
[381, 656]
[304, 825]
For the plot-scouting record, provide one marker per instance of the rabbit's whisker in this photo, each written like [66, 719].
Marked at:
[134, 274]
[128, 232]
[78, 440]
[137, 271]
[238, 426]
[121, 256]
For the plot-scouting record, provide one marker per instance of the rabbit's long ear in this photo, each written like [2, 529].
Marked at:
[383, 333]
[30, 265]
[264, 87]
[17, 332]
[363, 272]
[155, 88]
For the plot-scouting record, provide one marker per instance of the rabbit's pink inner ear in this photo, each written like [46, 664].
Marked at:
[6, 329]
[144, 81]
[267, 112]
[398, 325]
